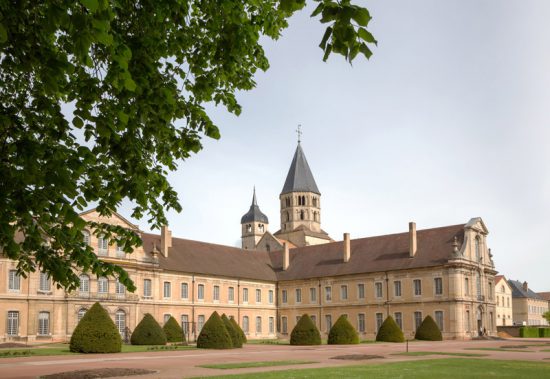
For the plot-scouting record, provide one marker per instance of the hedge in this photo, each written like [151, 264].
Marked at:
[544, 332]
[96, 333]
[342, 333]
[238, 329]
[528, 332]
[428, 330]
[305, 332]
[235, 334]
[390, 331]
[173, 331]
[214, 334]
[148, 332]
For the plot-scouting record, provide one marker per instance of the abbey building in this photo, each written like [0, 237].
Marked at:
[445, 272]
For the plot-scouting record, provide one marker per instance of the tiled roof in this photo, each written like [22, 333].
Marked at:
[299, 177]
[373, 254]
[545, 295]
[518, 291]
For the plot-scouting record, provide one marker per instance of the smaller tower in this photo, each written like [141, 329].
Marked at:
[254, 225]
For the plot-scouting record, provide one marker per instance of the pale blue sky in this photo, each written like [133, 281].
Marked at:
[449, 120]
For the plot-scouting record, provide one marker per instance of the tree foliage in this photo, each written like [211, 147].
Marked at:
[305, 332]
[96, 333]
[214, 334]
[235, 334]
[239, 330]
[390, 331]
[428, 330]
[173, 331]
[546, 316]
[342, 332]
[148, 332]
[133, 78]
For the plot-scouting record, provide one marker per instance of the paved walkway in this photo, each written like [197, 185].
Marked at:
[183, 364]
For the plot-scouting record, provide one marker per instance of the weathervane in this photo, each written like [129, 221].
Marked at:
[299, 132]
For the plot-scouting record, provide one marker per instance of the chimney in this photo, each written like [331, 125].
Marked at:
[412, 239]
[165, 240]
[525, 287]
[286, 256]
[347, 248]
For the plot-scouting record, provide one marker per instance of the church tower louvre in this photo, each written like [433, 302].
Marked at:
[254, 225]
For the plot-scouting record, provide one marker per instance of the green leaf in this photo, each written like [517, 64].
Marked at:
[3, 34]
[123, 117]
[366, 36]
[326, 36]
[361, 16]
[78, 123]
[364, 49]
[129, 84]
[318, 10]
[91, 5]
[328, 50]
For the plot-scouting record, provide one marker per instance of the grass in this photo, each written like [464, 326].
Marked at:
[423, 353]
[461, 368]
[227, 366]
[63, 349]
[497, 349]
[268, 342]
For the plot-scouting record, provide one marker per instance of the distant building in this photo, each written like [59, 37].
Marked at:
[528, 306]
[504, 302]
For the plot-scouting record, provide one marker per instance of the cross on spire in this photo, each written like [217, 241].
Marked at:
[299, 132]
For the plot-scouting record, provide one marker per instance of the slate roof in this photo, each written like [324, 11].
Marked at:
[518, 291]
[299, 177]
[254, 213]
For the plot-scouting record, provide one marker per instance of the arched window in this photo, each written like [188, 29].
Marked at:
[261, 227]
[301, 215]
[314, 201]
[314, 216]
[477, 249]
[102, 285]
[80, 314]
[303, 200]
[120, 322]
[84, 283]
[287, 201]
[249, 228]
[287, 216]
[258, 324]
[43, 323]
[86, 237]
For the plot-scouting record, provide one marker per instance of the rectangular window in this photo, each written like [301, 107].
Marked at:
[313, 295]
[200, 323]
[284, 296]
[468, 322]
[120, 290]
[284, 325]
[185, 325]
[438, 284]
[378, 290]
[258, 324]
[184, 291]
[43, 323]
[298, 295]
[245, 295]
[466, 286]
[271, 325]
[216, 293]
[399, 319]
[328, 293]
[417, 320]
[439, 319]
[231, 294]
[258, 295]
[147, 292]
[102, 285]
[361, 322]
[328, 322]
[167, 317]
[45, 285]
[167, 290]
[102, 245]
[344, 292]
[270, 296]
[14, 281]
[245, 324]
[200, 292]
[120, 251]
[417, 284]
[379, 320]
[397, 288]
[361, 291]
[13, 323]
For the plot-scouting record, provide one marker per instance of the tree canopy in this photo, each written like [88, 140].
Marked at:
[136, 76]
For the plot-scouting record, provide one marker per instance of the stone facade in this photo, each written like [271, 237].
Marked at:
[504, 303]
[528, 306]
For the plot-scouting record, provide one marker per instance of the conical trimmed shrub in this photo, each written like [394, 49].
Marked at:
[214, 335]
[390, 331]
[428, 330]
[233, 333]
[342, 333]
[96, 333]
[173, 331]
[148, 332]
[238, 329]
[305, 332]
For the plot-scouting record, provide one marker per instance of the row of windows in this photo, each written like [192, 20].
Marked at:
[537, 310]
[378, 291]
[102, 285]
[361, 321]
[103, 245]
[507, 304]
[301, 200]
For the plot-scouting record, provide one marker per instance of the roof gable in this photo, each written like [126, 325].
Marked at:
[114, 219]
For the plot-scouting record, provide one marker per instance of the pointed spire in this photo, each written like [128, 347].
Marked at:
[254, 213]
[254, 197]
[299, 177]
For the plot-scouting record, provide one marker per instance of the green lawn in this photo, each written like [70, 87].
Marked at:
[423, 353]
[497, 349]
[227, 366]
[63, 349]
[437, 368]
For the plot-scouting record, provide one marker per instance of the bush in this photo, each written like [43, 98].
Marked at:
[342, 333]
[390, 331]
[214, 334]
[96, 333]
[544, 332]
[528, 332]
[235, 335]
[148, 332]
[173, 331]
[428, 330]
[238, 329]
[305, 332]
